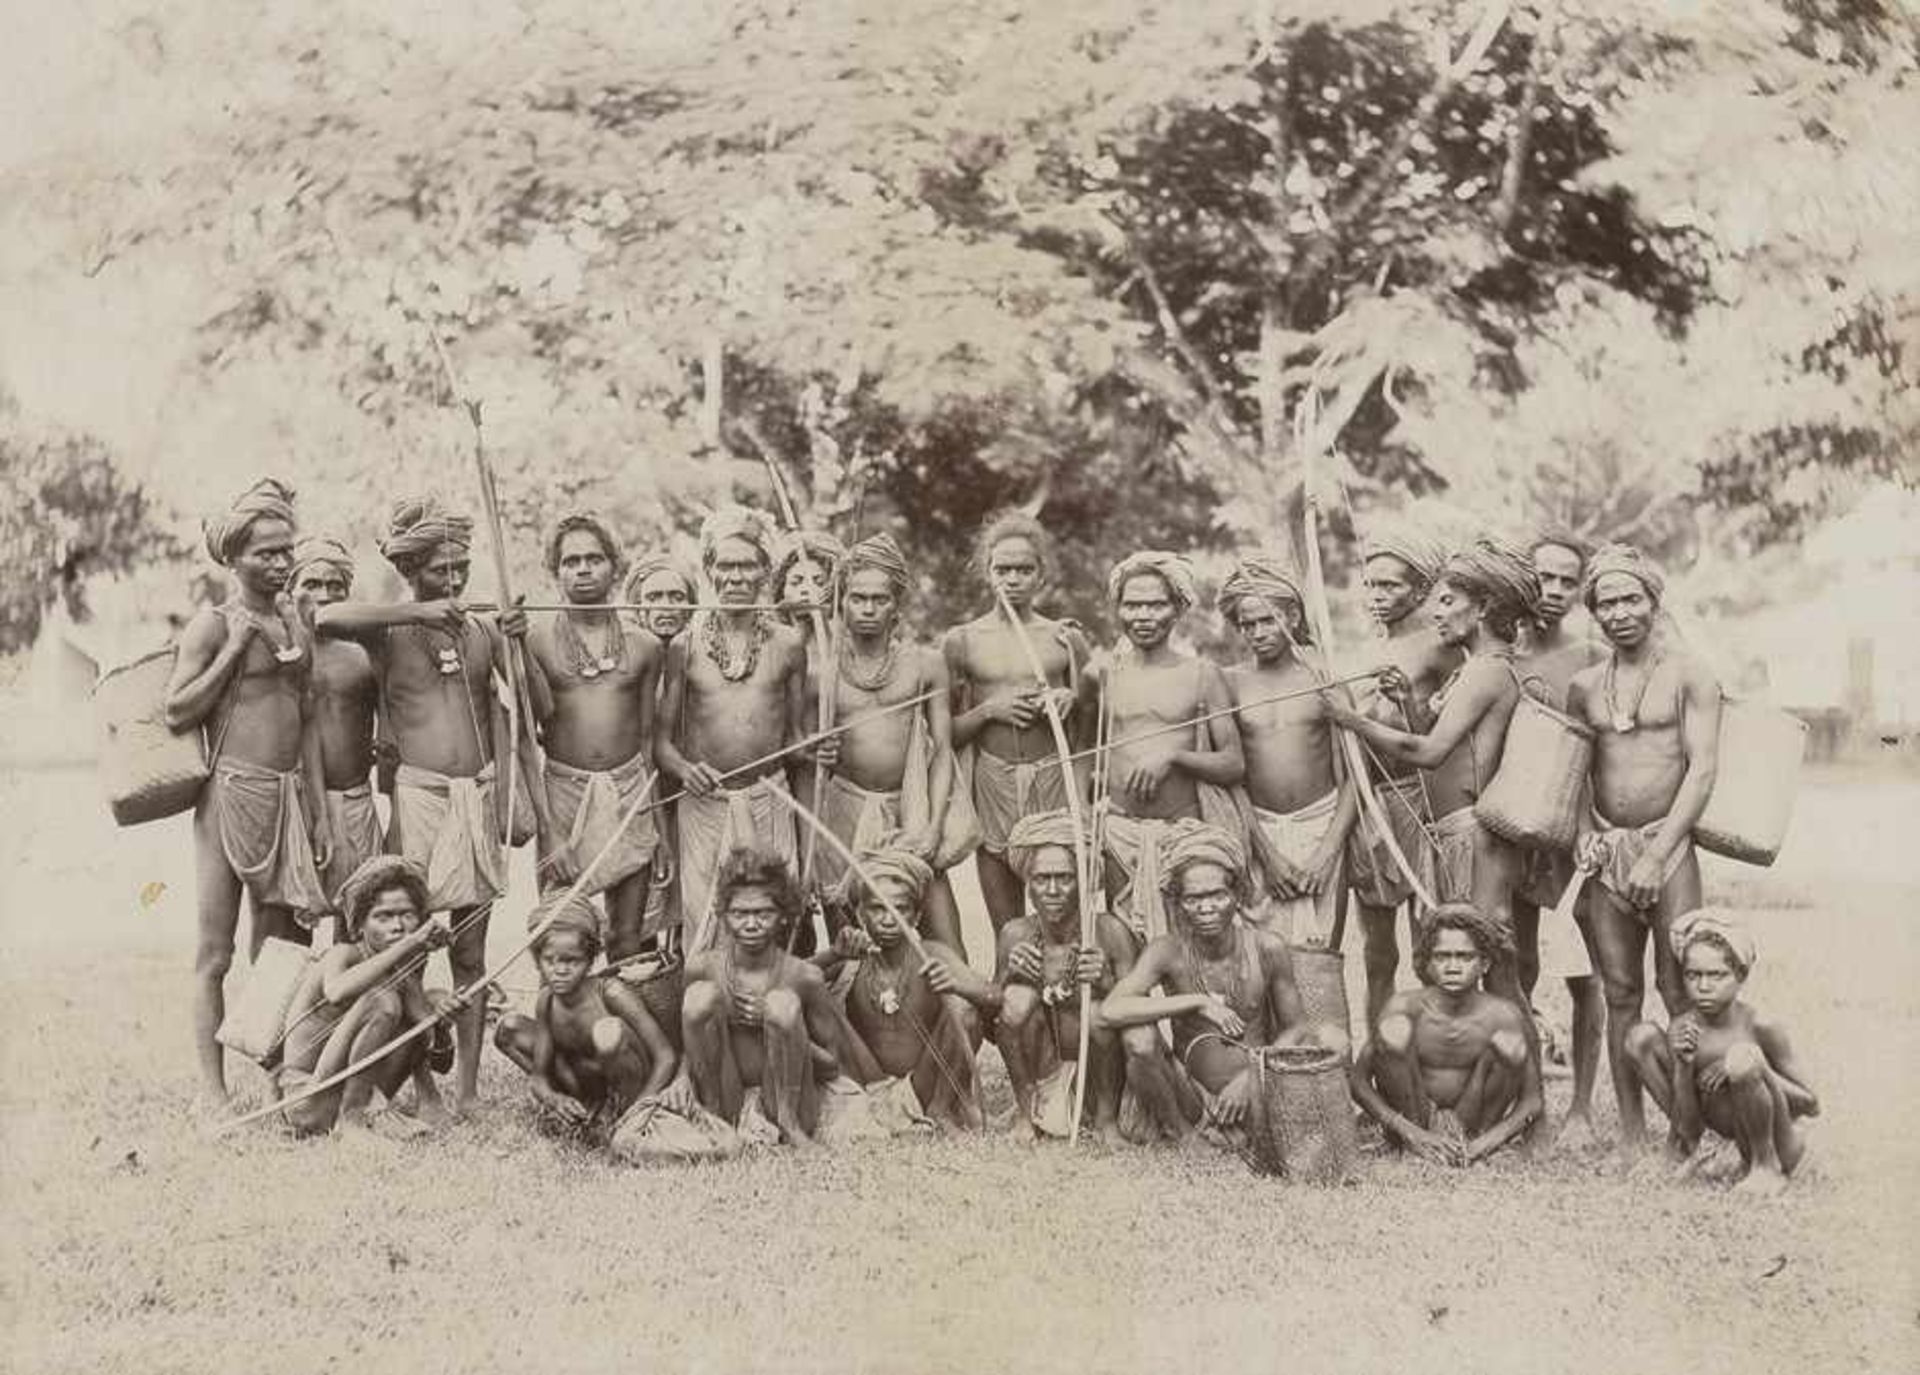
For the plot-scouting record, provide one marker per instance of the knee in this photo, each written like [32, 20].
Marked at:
[1643, 1040]
[213, 959]
[1140, 1042]
[1745, 1063]
[1624, 992]
[1509, 1047]
[701, 1004]
[308, 1118]
[1396, 1033]
[514, 1029]
[1017, 1008]
[783, 1009]
[608, 1034]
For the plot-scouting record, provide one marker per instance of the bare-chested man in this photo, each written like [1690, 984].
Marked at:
[661, 583]
[806, 570]
[1227, 986]
[753, 1016]
[1655, 711]
[894, 774]
[1401, 564]
[1451, 1072]
[1173, 775]
[736, 683]
[345, 692]
[242, 676]
[1722, 1064]
[1483, 594]
[437, 667]
[997, 702]
[914, 1010]
[1040, 967]
[1303, 807]
[601, 671]
[1551, 655]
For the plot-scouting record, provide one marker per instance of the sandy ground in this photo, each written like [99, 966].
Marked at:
[135, 1243]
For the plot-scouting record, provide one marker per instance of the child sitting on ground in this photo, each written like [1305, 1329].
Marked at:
[591, 1048]
[360, 994]
[1721, 1064]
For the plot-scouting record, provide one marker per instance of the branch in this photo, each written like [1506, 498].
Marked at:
[1520, 141]
[1176, 336]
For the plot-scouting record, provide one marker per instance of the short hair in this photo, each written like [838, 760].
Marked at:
[1719, 942]
[1012, 523]
[593, 525]
[1489, 937]
[378, 875]
[571, 923]
[1561, 538]
[751, 868]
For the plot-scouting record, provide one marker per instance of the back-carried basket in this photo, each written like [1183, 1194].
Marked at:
[658, 979]
[149, 770]
[1300, 1121]
[1534, 796]
[1761, 749]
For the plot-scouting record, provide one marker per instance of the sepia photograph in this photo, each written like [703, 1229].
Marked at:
[875, 686]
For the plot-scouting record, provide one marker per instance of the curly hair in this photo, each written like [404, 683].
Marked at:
[593, 525]
[1559, 537]
[1011, 523]
[378, 875]
[1489, 937]
[750, 868]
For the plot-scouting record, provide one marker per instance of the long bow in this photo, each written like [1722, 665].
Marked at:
[1084, 860]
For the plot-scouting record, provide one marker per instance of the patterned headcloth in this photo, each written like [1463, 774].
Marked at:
[576, 913]
[1033, 833]
[737, 522]
[1622, 558]
[1413, 546]
[417, 526]
[321, 549]
[1193, 842]
[227, 533]
[1171, 569]
[651, 564]
[1264, 577]
[373, 878]
[889, 861]
[1499, 574]
[1720, 925]
[879, 551]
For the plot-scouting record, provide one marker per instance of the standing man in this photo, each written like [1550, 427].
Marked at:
[241, 676]
[1303, 807]
[1550, 657]
[1178, 774]
[1655, 710]
[998, 707]
[344, 693]
[894, 774]
[1401, 564]
[601, 671]
[735, 685]
[438, 669]
[665, 586]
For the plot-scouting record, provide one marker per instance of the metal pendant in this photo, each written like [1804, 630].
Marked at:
[589, 670]
[889, 1001]
[449, 662]
[607, 663]
[289, 655]
[1624, 725]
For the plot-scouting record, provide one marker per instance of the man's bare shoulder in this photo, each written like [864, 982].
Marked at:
[703, 965]
[1410, 1003]
[1274, 952]
[1498, 1014]
[803, 976]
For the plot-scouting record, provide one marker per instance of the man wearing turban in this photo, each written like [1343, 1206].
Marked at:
[1040, 967]
[1000, 726]
[1654, 707]
[914, 1008]
[1723, 1064]
[1228, 988]
[345, 695]
[240, 677]
[895, 775]
[1301, 807]
[736, 683]
[1164, 763]
[602, 676]
[442, 677]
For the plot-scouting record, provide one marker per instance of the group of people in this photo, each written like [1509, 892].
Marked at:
[745, 785]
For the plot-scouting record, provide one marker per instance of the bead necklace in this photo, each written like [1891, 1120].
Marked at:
[582, 660]
[720, 652]
[879, 678]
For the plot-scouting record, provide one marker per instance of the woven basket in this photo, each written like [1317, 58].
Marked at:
[148, 770]
[257, 1019]
[658, 982]
[1761, 749]
[1321, 977]
[1534, 797]
[1301, 1125]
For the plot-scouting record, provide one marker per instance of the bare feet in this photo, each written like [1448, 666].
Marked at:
[1762, 1183]
[431, 1110]
[386, 1125]
[1108, 1134]
[1577, 1135]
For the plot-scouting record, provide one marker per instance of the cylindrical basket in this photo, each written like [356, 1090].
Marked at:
[1321, 977]
[148, 770]
[1301, 1123]
[1534, 796]
[658, 981]
[1761, 748]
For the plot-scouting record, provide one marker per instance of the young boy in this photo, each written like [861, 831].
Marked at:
[591, 1049]
[359, 995]
[1721, 1064]
[1452, 1071]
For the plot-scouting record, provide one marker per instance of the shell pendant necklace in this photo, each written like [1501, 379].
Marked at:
[583, 660]
[1624, 722]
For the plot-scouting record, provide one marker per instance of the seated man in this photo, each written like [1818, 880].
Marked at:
[591, 1047]
[913, 1007]
[1040, 966]
[1229, 987]
[751, 1015]
[1721, 1064]
[359, 995]
[1452, 1071]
